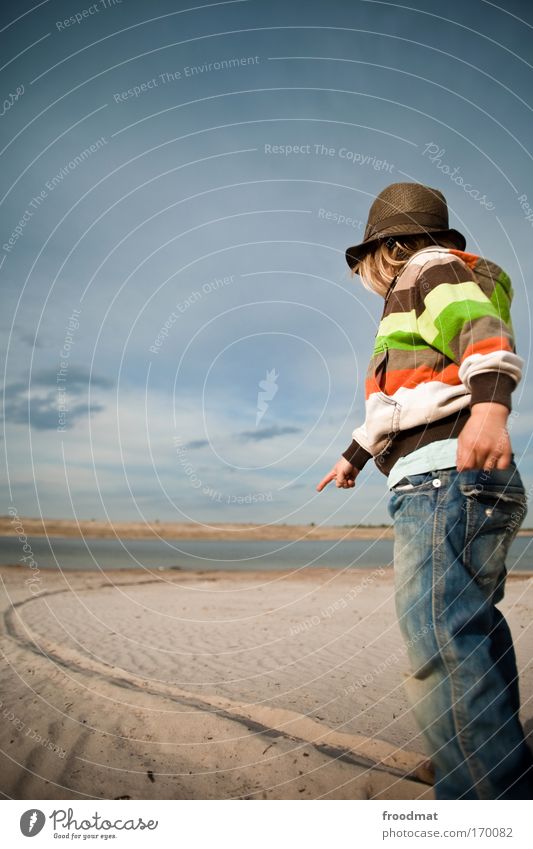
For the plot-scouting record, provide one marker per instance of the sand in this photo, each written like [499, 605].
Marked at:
[215, 685]
[13, 526]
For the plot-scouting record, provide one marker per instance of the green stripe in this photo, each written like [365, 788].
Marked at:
[413, 361]
[448, 293]
[501, 303]
[401, 342]
[505, 282]
[448, 307]
[404, 322]
[399, 330]
[451, 320]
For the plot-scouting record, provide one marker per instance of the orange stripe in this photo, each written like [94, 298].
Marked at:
[409, 378]
[469, 259]
[487, 346]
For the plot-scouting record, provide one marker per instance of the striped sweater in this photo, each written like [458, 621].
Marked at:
[444, 343]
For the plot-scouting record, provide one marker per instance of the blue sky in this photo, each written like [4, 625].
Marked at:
[179, 185]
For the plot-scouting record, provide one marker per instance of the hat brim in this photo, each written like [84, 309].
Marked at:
[355, 254]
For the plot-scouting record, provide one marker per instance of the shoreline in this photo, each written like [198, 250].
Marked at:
[303, 572]
[70, 528]
[185, 530]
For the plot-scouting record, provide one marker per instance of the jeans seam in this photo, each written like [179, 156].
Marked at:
[461, 732]
[467, 538]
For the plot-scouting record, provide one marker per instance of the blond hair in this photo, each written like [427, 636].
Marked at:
[378, 268]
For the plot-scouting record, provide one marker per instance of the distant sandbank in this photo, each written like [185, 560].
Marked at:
[10, 526]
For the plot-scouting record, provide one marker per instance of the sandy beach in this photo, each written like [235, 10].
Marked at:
[227, 685]
[194, 530]
[187, 530]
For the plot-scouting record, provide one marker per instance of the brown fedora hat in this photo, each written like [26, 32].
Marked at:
[405, 209]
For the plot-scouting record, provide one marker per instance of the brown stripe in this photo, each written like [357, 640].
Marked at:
[480, 328]
[495, 387]
[488, 269]
[399, 300]
[407, 277]
[435, 275]
[411, 271]
[398, 360]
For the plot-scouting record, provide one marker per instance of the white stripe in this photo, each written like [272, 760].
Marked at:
[505, 362]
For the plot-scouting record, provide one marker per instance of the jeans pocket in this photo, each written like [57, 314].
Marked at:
[413, 483]
[494, 515]
[403, 495]
[501, 508]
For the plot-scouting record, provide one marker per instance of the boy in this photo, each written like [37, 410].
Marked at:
[438, 396]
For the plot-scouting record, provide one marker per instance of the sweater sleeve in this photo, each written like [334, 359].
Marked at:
[455, 316]
[356, 455]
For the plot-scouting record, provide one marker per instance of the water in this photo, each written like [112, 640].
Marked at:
[246, 555]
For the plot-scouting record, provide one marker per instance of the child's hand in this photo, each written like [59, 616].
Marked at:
[344, 473]
[484, 440]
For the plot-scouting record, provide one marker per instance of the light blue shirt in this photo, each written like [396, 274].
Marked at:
[436, 455]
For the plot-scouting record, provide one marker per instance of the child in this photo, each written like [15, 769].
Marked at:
[438, 395]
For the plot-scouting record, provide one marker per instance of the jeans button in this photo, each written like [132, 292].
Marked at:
[436, 482]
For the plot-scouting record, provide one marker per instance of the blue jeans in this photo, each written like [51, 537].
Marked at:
[452, 534]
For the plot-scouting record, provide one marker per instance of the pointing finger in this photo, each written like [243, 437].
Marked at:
[324, 482]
